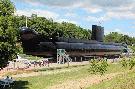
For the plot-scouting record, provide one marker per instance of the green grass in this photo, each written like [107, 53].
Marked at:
[44, 81]
[123, 81]
[30, 57]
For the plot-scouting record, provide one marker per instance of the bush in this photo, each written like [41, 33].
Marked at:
[102, 68]
[128, 63]
[98, 66]
[124, 62]
[93, 66]
[132, 63]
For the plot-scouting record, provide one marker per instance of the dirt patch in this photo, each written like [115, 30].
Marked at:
[45, 72]
[84, 82]
[27, 74]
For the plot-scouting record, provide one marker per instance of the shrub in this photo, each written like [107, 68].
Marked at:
[102, 67]
[124, 62]
[98, 66]
[132, 63]
[128, 63]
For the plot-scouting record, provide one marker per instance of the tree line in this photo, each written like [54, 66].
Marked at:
[50, 28]
[119, 38]
[10, 25]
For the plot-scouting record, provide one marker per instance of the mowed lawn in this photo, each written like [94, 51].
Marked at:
[45, 81]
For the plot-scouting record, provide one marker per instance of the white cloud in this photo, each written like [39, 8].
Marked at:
[40, 13]
[111, 3]
[131, 34]
[88, 3]
[70, 14]
[117, 30]
[111, 15]
[133, 24]
[98, 20]
[93, 10]
[57, 3]
[33, 3]
[45, 13]
[92, 19]
[121, 15]
[111, 8]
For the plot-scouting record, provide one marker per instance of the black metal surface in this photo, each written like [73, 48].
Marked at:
[97, 33]
[33, 42]
[94, 28]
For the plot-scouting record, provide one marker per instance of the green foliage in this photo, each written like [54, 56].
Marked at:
[49, 28]
[124, 62]
[93, 66]
[113, 37]
[102, 66]
[30, 57]
[122, 81]
[128, 63]
[8, 33]
[132, 47]
[132, 62]
[98, 66]
[119, 38]
[6, 7]
[33, 58]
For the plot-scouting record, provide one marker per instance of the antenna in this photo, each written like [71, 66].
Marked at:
[100, 21]
[26, 21]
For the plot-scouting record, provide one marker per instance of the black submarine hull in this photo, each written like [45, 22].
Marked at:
[38, 45]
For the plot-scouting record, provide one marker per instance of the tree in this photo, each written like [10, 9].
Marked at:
[113, 37]
[49, 28]
[8, 32]
[6, 8]
[126, 39]
[119, 38]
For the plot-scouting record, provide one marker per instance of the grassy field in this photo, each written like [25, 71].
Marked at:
[45, 81]
[124, 81]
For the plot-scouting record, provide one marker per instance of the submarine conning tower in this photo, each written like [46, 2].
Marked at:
[97, 33]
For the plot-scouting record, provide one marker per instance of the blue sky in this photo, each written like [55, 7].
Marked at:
[114, 15]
